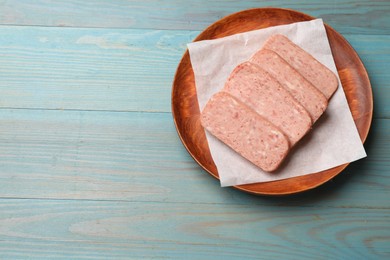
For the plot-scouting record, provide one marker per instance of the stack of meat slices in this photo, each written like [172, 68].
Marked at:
[270, 102]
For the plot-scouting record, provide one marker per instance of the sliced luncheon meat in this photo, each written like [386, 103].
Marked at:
[302, 90]
[262, 93]
[245, 131]
[310, 68]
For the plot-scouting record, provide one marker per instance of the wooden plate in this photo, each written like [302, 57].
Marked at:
[185, 107]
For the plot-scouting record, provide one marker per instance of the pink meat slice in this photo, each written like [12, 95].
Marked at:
[310, 68]
[262, 93]
[302, 90]
[246, 132]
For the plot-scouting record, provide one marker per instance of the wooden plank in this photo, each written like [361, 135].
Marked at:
[123, 230]
[367, 17]
[138, 157]
[120, 69]
[53, 68]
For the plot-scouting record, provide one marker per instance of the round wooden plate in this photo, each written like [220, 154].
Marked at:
[185, 107]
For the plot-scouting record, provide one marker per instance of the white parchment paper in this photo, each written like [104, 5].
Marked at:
[334, 139]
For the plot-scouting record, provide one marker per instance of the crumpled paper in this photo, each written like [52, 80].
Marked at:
[334, 139]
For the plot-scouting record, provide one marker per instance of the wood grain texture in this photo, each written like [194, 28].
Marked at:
[102, 230]
[90, 69]
[375, 55]
[95, 69]
[87, 155]
[366, 17]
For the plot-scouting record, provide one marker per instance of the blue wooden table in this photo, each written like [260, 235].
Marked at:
[91, 166]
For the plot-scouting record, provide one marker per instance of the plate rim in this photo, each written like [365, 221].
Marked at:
[242, 187]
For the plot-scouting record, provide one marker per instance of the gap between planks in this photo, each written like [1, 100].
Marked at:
[276, 203]
[84, 110]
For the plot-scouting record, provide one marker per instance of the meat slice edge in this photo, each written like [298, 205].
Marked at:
[262, 93]
[302, 90]
[246, 132]
[310, 68]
